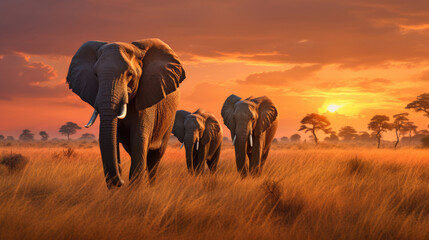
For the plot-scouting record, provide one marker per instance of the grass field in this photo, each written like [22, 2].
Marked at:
[309, 193]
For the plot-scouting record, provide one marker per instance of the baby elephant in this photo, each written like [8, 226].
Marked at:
[201, 134]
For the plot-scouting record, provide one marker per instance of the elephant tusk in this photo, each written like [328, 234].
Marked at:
[123, 112]
[92, 120]
[198, 145]
[233, 140]
[183, 143]
[251, 140]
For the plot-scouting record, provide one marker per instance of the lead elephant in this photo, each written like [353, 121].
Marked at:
[134, 89]
[253, 124]
[201, 134]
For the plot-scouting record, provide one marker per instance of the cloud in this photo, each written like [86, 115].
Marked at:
[349, 33]
[21, 78]
[424, 76]
[281, 78]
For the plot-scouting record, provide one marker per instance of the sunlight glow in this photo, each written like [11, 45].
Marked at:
[333, 107]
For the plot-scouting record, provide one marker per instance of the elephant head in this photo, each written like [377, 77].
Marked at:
[247, 119]
[195, 130]
[108, 76]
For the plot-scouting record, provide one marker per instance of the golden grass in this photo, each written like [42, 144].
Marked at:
[308, 193]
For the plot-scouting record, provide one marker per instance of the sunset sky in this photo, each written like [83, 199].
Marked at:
[366, 57]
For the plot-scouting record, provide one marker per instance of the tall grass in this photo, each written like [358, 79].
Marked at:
[302, 194]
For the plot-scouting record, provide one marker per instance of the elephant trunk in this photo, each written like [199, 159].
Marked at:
[190, 146]
[108, 148]
[108, 102]
[242, 136]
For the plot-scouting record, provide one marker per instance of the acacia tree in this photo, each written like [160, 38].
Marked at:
[364, 136]
[399, 123]
[409, 128]
[87, 136]
[314, 122]
[379, 124]
[295, 138]
[26, 135]
[1, 137]
[347, 133]
[332, 138]
[68, 129]
[421, 104]
[44, 135]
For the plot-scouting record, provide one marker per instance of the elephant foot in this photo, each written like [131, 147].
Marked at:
[243, 174]
[115, 182]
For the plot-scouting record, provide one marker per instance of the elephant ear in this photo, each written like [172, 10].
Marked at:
[81, 75]
[162, 72]
[267, 114]
[179, 124]
[228, 111]
[212, 128]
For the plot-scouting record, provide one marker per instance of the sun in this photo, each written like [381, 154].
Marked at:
[333, 107]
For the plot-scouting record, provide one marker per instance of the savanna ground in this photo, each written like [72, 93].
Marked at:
[303, 193]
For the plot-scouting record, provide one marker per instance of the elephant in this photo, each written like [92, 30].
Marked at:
[253, 124]
[202, 136]
[134, 87]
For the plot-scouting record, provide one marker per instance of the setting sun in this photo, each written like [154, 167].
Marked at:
[333, 107]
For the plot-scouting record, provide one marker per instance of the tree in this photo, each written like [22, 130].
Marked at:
[26, 135]
[409, 128]
[379, 124]
[1, 137]
[68, 129]
[87, 136]
[44, 135]
[421, 104]
[314, 122]
[399, 123]
[295, 138]
[10, 138]
[364, 136]
[284, 139]
[333, 137]
[347, 133]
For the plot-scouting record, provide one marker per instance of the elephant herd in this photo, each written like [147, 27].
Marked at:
[134, 88]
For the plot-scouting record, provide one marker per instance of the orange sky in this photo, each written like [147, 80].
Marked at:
[368, 58]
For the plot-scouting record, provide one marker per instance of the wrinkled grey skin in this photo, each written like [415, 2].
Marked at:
[145, 75]
[200, 129]
[254, 118]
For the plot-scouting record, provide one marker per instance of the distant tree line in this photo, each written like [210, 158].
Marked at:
[68, 129]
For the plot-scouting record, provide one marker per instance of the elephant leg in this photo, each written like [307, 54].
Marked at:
[200, 159]
[138, 158]
[139, 151]
[124, 138]
[212, 163]
[127, 149]
[264, 157]
[242, 167]
[154, 156]
[153, 159]
[255, 159]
